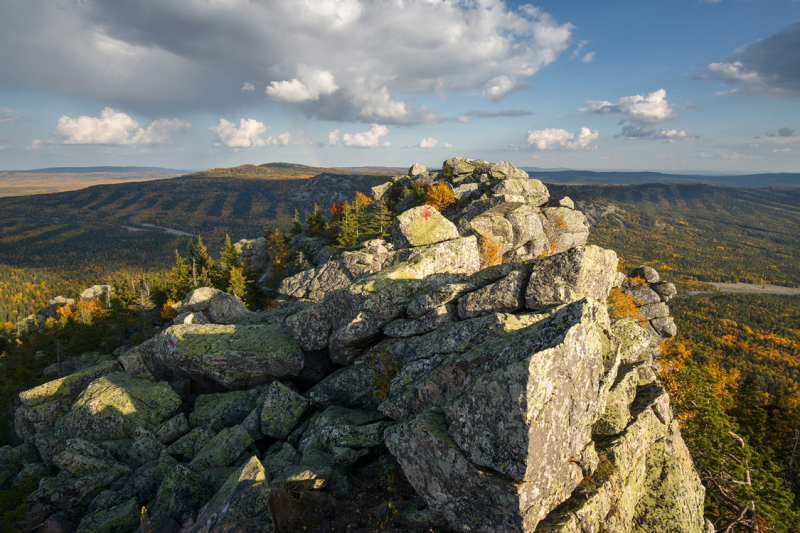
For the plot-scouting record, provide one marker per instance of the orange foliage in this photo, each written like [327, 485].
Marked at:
[490, 252]
[439, 196]
[337, 209]
[167, 311]
[363, 199]
[622, 305]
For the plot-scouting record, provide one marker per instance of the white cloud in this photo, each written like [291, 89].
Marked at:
[247, 135]
[428, 142]
[588, 58]
[116, 127]
[463, 119]
[248, 86]
[767, 67]
[481, 113]
[446, 145]
[632, 131]
[558, 139]
[367, 139]
[578, 48]
[7, 115]
[501, 86]
[312, 84]
[333, 59]
[641, 109]
[35, 145]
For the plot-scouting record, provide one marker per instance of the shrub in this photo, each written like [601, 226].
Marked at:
[490, 252]
[439, 196]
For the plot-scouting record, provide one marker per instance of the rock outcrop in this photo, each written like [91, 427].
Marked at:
[511, 397]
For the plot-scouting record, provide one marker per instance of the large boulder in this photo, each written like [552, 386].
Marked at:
[420, 226]
[516, 420]
[115, 405]
[240, 506]
[235, 356]
[220, 307]
[504, 296]
[570, 276]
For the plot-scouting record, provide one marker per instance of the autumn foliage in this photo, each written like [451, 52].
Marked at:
[622, 305]
[167, 311]
[490, 252]
[439, 196]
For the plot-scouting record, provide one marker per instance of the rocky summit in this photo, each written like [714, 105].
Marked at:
[476, 347]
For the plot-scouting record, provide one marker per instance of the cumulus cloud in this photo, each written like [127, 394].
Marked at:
[588, 58]
[767, 67]
[428, 142]
[248, 87]
[333, 59]
[558, 139]
[367, 139]
[247, 135]
[116, 127]
[35, 145]
[312, 84]
[481, 113]
[640, 109]
[640, 113]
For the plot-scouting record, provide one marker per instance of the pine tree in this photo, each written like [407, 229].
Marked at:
[229, 256]
[297, 226]
[180, 279]
[238, 283]
[348, 229]
[381, 219]
[359, 210]
[315, 222]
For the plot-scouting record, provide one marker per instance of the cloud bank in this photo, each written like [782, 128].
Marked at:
[117, 128]
[367, 139]
[247, 135]
[332, 59]
[558, 139]
[767, 67]
[640, 113]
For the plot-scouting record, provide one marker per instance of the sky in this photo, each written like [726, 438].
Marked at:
[681, 86]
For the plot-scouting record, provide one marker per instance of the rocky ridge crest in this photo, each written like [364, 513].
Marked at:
[509, 396]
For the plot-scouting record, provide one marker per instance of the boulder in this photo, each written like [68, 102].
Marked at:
[648, 273]
[96, 291]
[182, 492]
[421, 226]
[493, 226]
[438, 297]
[220, 307]
[81, 458]
[115, 405]
[67, 387]
[240, 506]
[504, 296]
[634, 339]
[417, 170]
[527, 226]
[664, 326]
[349, 318]
[221, 410]
[235, 356]
[120, 518]
[191, 443]
[222, 450]
[642, 294]
[516, 449]
[194, 317]
[650, 311]
[404, 327]
[666, 291]
[572, 275]
[281, 411]
[564, 228]
[533, 190]
[616, 414]
[173, 429]
[145, 447]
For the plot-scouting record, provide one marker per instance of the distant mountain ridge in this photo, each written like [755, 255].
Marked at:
[89, 170]
[589, 177]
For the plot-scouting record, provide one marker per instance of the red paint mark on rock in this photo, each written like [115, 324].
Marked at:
[426, 214]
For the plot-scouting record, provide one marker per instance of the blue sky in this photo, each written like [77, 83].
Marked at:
[190, 84]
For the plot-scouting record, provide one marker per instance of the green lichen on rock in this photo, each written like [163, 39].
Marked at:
[222, 450]
[67, 386]
[281, 411]
[220, 410]
[420, 226]
[182, 491]
[113, 406]
[122, 518]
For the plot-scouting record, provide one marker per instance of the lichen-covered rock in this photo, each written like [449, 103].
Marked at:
[96, 291]
[420, 226]
[564, 228]
[122, 518]
[405, 327]
[173, 429]
[527, 226]
[235, 356]
[240, 506]
[664, 326]
[339, 426]
[654, 310]
[134, 365]
[666, 291]
[642, 294]
[182, 492]
[634, 339]
[350, 317]
[438, 297]
[616, 414]
[113, 406]
[145, 447]
[572, 275]
[221, 450]
[533, 190]
[194, 317]
[281, 411]
[81, 458]
[504, 296]
[66, 387]
[648, 273]
[531, 445]
[221, 410]
[336, 274]
[191, 443]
